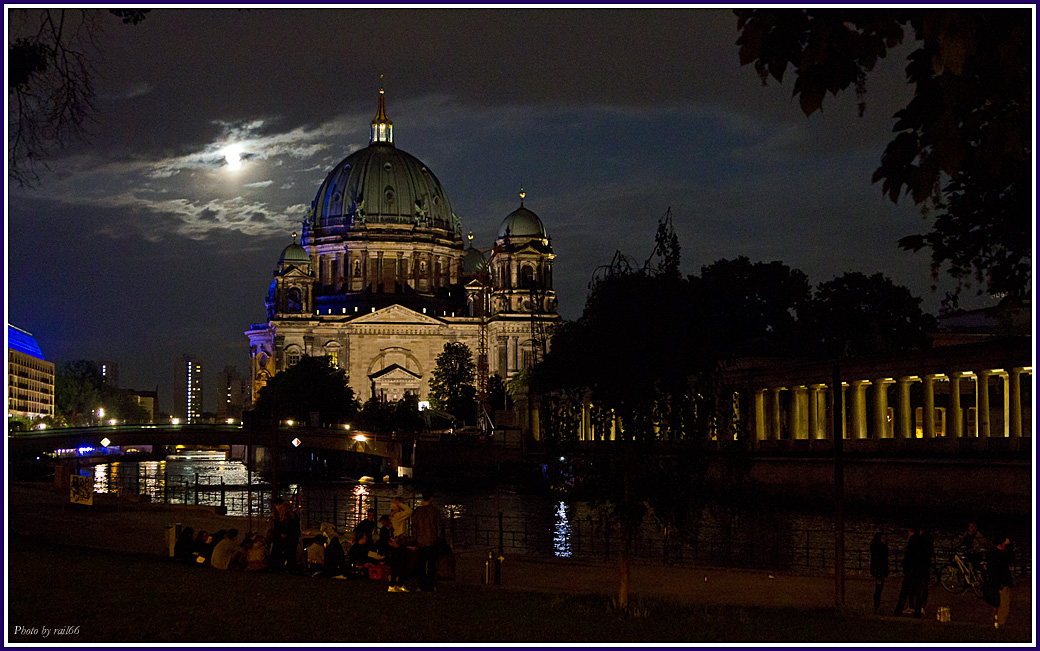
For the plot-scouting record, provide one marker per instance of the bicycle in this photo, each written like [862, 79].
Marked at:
[958, 574]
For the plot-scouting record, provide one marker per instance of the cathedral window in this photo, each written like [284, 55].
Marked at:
[295, 300]
[528, 360]
[527, 277]
[292, 357]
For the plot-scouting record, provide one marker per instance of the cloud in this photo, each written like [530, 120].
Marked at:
[259, 184]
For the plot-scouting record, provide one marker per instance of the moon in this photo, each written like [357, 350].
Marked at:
[233, 156]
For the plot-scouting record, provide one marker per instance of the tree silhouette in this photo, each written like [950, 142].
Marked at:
[452, 386]
[80, 390]
[51, 55]
[963, 144]
[856, 314]
[311, 385]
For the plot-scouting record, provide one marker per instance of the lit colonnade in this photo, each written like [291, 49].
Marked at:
[979, 391]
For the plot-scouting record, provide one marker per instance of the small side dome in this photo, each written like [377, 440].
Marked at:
[522, 223]
[294, 254]
[473, 262]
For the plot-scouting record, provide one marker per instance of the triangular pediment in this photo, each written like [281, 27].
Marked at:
[528, 248]
[394, 372]
[294, 272]
[398, 314]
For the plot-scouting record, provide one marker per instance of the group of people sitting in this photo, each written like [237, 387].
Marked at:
[222, 550]
[385, 542]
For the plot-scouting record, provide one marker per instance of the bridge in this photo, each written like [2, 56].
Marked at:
[296, 448]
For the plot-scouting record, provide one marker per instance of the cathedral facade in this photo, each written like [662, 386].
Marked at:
[382, 279]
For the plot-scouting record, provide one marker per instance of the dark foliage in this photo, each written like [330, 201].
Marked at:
[311, 385]
[52, 54]
[452, 387]
[80, 390]
[963, 144]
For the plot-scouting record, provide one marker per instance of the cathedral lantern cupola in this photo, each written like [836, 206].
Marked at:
[522, 265]
[292, 290]
[382, 127]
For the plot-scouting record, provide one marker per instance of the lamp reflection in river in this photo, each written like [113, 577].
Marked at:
[561, 532]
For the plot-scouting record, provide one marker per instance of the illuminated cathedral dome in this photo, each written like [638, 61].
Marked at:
[294, 254]
[381, 184]
[522, 224]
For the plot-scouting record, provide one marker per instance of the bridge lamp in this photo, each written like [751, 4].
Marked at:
[105, 442]
[347, 427]
[42, 426]
[360, 438]
[231, 421]
[290, 422]
[113, 421]
[175, 421]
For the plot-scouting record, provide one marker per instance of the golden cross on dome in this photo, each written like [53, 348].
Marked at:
[294, 237]
[522, 195]
[470, 237]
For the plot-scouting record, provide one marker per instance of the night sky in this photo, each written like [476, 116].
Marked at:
[146, 242]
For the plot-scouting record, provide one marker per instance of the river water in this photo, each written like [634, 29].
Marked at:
[514, 521]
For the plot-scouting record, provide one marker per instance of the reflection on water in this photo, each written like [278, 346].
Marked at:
[183, 481]
[561, 532]
[524, 523]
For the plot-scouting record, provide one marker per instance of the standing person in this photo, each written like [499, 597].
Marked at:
[879, 565]
[917, 559]
[426, 520]
[282, 546]
[399, 514]
[998, 573]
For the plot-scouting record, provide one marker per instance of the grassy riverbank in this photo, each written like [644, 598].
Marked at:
[119, 597]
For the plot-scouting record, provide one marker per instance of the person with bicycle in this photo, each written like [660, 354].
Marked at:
[974, 545]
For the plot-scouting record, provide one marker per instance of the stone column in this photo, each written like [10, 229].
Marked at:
[1005, 378]
[1015, 415]
[795, 413]
[774, 415]
[982, 391]
[880, 409]
[814, 411]
[905, 416]
[928, 412]
[859, 408]
[760, 415]
[954, 417]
